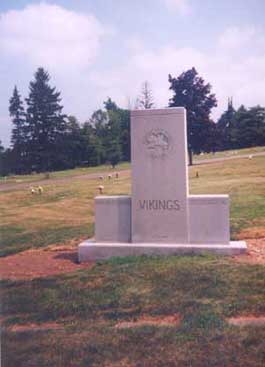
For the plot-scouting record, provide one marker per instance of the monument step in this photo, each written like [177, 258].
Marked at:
[90, 250]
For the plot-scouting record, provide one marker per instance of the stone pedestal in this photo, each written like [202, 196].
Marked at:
[113, 218]
[160, 218]
[209, 219]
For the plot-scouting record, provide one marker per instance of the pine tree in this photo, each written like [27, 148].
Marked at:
[225, 125]
[46, 124]
[145, 99]
[191, 92]
[18, 135]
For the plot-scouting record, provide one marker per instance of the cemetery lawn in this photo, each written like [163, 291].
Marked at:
[105, 169]
[230, 153]
[157, 312]
[65, 210]
[152, 312]
[80, 171]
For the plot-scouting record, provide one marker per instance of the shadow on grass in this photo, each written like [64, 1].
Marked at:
[73, 257]
[13, 240]
[204, 290]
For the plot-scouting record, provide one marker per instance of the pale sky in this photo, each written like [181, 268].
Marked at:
[94, 49]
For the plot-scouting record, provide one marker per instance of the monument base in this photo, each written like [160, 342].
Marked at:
[91, 250]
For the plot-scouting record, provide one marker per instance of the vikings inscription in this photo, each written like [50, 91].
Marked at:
[159, 204]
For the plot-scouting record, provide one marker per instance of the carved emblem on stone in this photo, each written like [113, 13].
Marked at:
[157, 142]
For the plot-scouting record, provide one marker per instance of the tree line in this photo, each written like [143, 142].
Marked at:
[45, 139]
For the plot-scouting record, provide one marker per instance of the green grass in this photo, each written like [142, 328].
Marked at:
[23, 240]
[107, 168]
[80, 171]
[65, 209]
[229, 153]
[204, 290]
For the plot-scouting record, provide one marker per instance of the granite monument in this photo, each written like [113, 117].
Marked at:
[160, 217]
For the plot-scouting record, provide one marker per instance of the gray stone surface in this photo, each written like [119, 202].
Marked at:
[113, 218]
[161, 218]
[89, 250]
[159, 176]
[209, 219]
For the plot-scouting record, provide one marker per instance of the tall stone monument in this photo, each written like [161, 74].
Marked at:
[160, 218]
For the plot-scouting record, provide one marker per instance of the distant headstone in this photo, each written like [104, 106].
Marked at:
[160, 218]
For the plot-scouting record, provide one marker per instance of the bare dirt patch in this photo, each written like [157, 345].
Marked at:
[172, 320]
[39, 263]
[255, 253]
[247, 321]
[252, 233]
[58, 259]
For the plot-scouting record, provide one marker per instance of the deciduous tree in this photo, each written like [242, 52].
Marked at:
[191, 91]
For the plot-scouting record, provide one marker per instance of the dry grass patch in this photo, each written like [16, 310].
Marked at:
[252, 233]
[247, 321]
[168, 321]
[46, 326]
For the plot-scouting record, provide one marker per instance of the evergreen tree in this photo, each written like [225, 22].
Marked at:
[2, 160]
[92, 145]
[125, 138]
[145, 100]
[225, 124]
[2, 149]
[248, 128]
[191, 92]
[73, 146]
[227, 117]
[257, 133]
[18, 135]
[46, 124]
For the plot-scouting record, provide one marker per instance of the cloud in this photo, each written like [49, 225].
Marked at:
[67, 42]
[241, 75]
[51, 36]
[235, 38]
[181, 6]
[134, 44]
